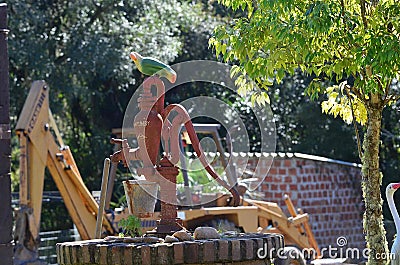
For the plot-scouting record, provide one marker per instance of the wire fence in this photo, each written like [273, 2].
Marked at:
[48, 241]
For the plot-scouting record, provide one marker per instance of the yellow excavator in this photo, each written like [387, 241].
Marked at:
[41, 146]
[40, 149]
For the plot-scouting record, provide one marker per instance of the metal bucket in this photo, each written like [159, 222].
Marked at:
[141, 196]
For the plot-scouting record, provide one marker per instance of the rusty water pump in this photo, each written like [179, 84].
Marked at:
[151, 125]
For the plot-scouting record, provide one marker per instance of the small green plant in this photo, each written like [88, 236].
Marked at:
[131, 226]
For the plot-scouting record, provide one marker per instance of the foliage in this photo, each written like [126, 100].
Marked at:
[301, 126]
[294, 34]
[81, 49]
[298, 121]
[131, 226]
[199, 180]
[353, 43]
[54, 216]
[343, 105]
[15, 154]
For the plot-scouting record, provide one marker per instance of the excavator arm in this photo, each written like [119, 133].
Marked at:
[38, 150]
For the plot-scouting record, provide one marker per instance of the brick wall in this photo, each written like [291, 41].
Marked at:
[329, 190]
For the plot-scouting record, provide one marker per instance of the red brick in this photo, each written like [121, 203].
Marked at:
[76, 253]
[96, 253]
[283, 187]
[273, 171]
[191, 252]
[145, 253]
[128, 259]
[117, 254]
[259, 243]
[276, 163]
[67, 256]
[247, 248]
[236, 255]
[164, 255]
[85, 254]
[103, 255]
[60, 253]
[208, 252]
[178, 253]
[269, 246]
[223, 250]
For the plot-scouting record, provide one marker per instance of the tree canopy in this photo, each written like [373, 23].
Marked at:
[352, 43]
[327, 39]
[81, 49]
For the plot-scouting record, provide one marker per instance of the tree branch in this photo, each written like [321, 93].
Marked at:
[98, 12]
[378, 80]
[391, 98]
[363, 13]
[359, 147]
[358, 94]
[342, 4]
[387, 88]
[395, 97]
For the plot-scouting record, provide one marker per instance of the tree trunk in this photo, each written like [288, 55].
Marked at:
[372, 180]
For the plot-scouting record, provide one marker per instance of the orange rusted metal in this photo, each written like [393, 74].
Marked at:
[151, 125]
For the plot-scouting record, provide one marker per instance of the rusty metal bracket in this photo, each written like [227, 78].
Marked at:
[5, 131]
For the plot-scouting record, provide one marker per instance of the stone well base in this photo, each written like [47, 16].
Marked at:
[242, 250]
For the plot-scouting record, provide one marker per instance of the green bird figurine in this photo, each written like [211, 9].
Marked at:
[151, 66]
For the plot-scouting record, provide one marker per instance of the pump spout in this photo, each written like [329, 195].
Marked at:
[125, 154]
